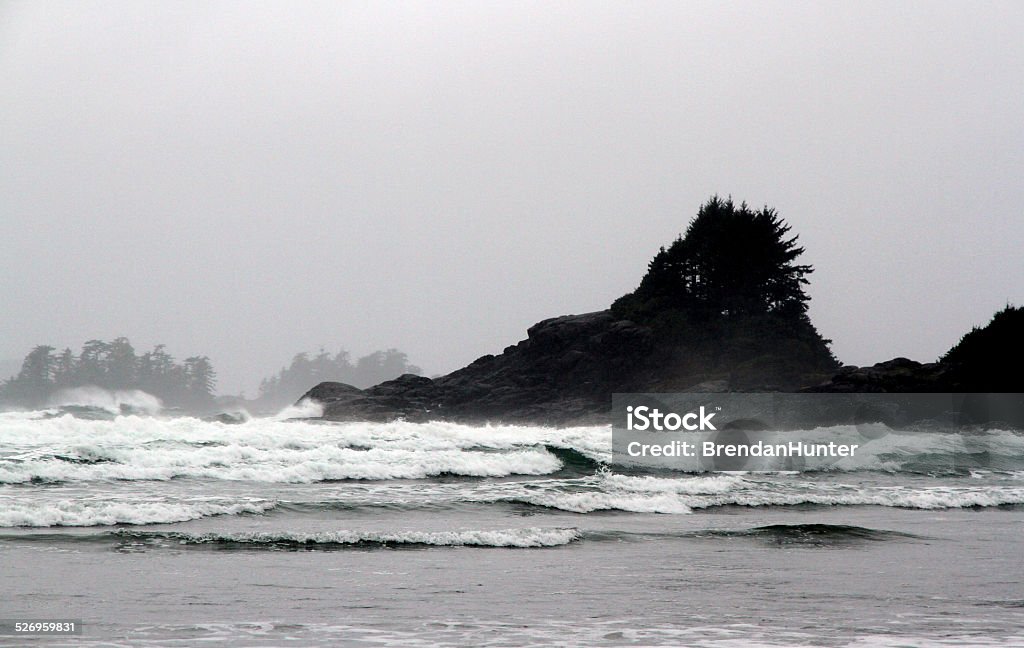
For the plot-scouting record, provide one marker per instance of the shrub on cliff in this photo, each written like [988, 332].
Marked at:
[990, 358]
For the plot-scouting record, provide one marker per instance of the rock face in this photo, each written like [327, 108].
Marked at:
[568, 367]
[564, 371]
[722, 307]
[898, 375]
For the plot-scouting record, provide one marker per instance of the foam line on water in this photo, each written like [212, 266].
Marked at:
[523, 538]
[84, 512]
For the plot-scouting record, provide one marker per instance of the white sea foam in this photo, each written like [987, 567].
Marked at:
[528, 537]
[726, 490]
[610, 492]
[83, 512]
[688, 485]
[923, 498]
[607, 491]
[937, 497]
[883, 450]
[69, 449]
[240, 462]
[306, 408]
[66, 448]
[33, 430]
[598, 501]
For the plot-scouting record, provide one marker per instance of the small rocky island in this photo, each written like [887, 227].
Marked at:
[723, 308]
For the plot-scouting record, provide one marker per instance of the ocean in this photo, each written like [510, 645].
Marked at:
[158, 530]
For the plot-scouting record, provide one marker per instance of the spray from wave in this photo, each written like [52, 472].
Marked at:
[133, 401]
[304, 409]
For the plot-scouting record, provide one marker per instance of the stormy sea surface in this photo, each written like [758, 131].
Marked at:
[174, 531]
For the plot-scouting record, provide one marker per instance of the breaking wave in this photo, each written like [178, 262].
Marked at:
[878, 448]
[84, 513]
[66, 448]
[809, 534]
[48, 447]
[242, 463]
[520, 538]
[661, 494]
[114, 401]
[572, 469]
[306, 408]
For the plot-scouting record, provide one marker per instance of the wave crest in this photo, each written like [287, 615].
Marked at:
[85, 513]
[114, 401]
[519, 538]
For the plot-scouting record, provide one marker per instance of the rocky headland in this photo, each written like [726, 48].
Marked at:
[721, 309]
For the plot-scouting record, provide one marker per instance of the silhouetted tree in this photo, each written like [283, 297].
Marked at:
[304, 372]
[154, 370]
[112, 365]
[728, 296]
[121, 364]
[91, 367]
[731, 261]
[201, 380]
[383, 365]
[64, 369]
[33, 384]
[989, 358]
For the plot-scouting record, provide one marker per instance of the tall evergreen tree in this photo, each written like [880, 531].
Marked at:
[731, 261]
[304, 372]
[34, 383]
[92, 364]
[64, 369]
[112, 365]
[121, 364]
[384, 365]
[201, 380]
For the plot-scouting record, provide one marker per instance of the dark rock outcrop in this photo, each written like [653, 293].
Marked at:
[665, 337]
[723, 306]
[566, 369]
[898, 375]
[564, 372]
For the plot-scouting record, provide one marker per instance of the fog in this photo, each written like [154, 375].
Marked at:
[250, 180]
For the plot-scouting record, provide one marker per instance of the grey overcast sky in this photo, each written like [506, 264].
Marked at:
[249, 180]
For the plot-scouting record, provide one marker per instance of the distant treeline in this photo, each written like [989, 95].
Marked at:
[306, 371]
[111, 365]
[189, 384]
